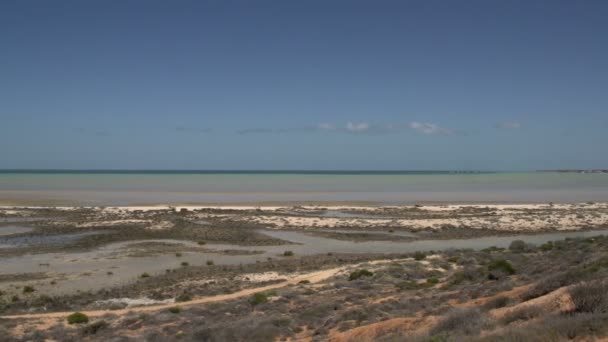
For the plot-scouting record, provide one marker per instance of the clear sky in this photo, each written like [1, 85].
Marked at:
[285, 84]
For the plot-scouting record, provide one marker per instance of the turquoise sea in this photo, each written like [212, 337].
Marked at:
[382, 187]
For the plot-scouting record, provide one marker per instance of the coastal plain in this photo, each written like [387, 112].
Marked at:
[302, 272]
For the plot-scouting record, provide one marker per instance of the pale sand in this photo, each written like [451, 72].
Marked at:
[508, 217]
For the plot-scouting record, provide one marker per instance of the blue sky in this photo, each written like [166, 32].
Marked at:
[498, 85]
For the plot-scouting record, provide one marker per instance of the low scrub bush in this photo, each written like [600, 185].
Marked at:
[78, 318]
[432, 281]
[359, 274]
[502, 266]
[464, 321]
[525, 313]
[551, 283]
[419, 256]
[183, 297]
[578, 327]
[498, 302]
[175, 310]
[591, 297]
[517, 246]
[261, 297]
[94, 327]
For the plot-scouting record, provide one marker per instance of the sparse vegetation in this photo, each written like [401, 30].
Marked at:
[449, 296]
[288, 253]
[28, 289]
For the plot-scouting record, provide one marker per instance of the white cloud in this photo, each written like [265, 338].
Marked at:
[510, 125]
[357, 127]
[429, 128]
[326, 126]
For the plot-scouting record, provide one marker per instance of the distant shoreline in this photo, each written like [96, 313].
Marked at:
[577, 171]
[246, 172]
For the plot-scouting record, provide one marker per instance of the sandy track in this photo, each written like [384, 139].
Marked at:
[312, 277]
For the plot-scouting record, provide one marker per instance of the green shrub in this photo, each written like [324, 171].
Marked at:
[175, 309]
[261, 297]
[210, 262]
[202, 243]
[360, 273]
[407, 285]
[288, 253]
[178, 254]
[547, 246]
[432, 281]
[185, 263]
[144, 275]
[28, 289]
[501, 265]
[78, 318]
[419, 256]
[184, 297]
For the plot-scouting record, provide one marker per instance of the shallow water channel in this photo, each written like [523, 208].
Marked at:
[89, 270]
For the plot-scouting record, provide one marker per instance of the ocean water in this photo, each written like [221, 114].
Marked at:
[395, 187]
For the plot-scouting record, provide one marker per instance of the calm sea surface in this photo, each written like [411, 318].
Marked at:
[151, 187]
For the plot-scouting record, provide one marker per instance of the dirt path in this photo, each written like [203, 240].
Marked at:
[312, 277]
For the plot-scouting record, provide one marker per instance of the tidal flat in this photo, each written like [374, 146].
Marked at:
[423, 265]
